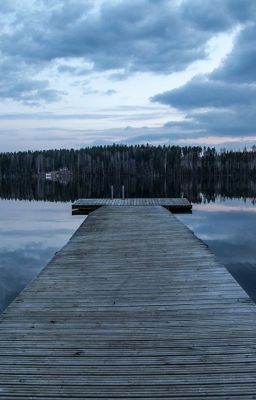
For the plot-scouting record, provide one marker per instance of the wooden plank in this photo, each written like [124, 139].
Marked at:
[85, 206]
[134, 306]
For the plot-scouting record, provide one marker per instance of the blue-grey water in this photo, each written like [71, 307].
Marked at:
[228, 227]
[32, 231]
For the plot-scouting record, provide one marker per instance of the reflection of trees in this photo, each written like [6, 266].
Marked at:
[146, 171]
[196, 189]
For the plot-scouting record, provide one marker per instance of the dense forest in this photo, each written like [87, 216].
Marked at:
[120, 160]
[198, 173]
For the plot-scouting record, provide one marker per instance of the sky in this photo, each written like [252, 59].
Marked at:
[76, 73]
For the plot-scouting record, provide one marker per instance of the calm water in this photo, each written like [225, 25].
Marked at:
[32, 231]
[229, 229]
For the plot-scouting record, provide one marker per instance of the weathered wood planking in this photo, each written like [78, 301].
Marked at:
[133, 307]
[86, 206]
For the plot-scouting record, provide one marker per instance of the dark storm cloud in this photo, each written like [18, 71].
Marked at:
[28, 91]
[240, 121]
[240, 64]
[235, 122]
[218, 15]
[205, 93]
[120, 37]
[16, 83]
[140, 35]
[228, 94]
[230, 109]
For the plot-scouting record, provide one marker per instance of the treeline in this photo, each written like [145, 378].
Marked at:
[120, 160]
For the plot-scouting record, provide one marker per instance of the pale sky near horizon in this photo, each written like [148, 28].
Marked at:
[75, 73]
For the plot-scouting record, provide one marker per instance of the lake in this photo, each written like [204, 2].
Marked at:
[32, 231]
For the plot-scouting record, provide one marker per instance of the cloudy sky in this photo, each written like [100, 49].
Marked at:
[81, 72]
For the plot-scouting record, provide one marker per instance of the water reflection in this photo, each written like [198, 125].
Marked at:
[18, 267]
[196, 190]
[229, 229]
[30, 234]
[32, 231]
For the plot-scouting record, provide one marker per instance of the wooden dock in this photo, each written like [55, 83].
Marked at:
[178, 205]
[133, 307]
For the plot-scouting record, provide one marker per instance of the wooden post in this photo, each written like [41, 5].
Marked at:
[112, 191]
[123, 192]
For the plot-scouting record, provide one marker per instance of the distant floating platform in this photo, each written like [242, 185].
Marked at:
[175, 205]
